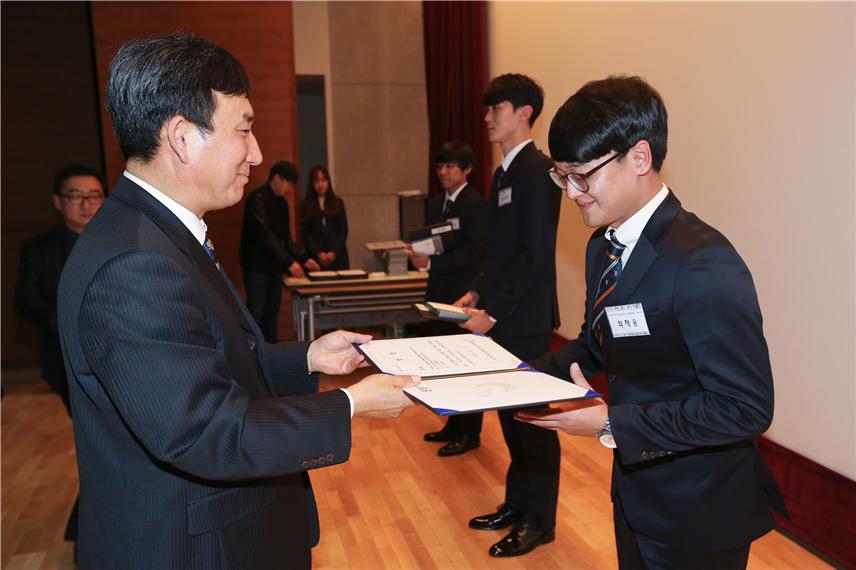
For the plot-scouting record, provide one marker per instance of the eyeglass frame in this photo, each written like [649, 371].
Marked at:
[79, 199]
[563, 180]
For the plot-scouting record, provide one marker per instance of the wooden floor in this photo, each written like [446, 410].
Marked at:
[394, 505]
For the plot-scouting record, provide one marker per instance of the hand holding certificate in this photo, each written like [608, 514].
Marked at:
[467, 373]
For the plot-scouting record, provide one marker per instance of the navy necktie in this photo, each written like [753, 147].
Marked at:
[208, 245]
[608, 282]
[447, 208]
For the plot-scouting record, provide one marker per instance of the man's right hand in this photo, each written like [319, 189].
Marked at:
[380, 396]
[469, 300]
[295, 270]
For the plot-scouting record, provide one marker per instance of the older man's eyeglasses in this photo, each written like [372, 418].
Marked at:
[578, 181]
[78, 199]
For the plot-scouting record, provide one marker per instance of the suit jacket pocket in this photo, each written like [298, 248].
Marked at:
[226, 507]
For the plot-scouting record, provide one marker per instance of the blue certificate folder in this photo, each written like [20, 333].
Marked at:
[468, 373]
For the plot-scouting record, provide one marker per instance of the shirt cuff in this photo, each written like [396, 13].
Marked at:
[350, 400]
[491, 319]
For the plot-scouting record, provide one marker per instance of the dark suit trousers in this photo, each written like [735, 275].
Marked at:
[264, 296]
[532, 481]
[639, 552]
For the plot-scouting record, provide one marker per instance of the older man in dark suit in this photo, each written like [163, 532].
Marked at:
[673, 321]
[193, 434]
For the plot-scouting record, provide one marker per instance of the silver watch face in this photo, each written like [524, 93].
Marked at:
[607, 440]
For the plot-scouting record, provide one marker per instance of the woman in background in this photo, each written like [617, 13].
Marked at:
[325, 225]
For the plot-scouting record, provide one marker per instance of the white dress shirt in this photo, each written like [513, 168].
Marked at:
[509, 158]
[629, 232]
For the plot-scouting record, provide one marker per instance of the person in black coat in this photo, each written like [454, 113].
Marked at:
[673, 321]
[78, 192]
[325, 224]
[452, 271]
[516, 304]
[267, 248]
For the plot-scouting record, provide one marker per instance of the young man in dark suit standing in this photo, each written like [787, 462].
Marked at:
[267, 248]
[452, 272]
[516, 303]
[194, 436]
[673, 321]
[78, 192]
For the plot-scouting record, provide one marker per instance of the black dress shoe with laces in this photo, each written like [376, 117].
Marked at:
[521, 540]
[458, 445]
[441, 435]
[504, 517]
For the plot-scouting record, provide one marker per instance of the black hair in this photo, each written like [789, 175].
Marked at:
[154, 79]
[457, 152]
[611, 114]
[518, 90]
[285, 170]
[71, 170]
[333, 205]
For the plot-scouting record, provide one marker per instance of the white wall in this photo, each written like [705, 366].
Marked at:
[762, 127]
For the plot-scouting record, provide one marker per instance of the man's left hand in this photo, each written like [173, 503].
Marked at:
[582, 417]
[312, 265]
[334, 353]
[479, 321]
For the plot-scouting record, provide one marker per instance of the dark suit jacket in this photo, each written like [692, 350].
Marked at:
[330, 236]
[452, 272]
[266, 243]
[519, 279]
[687, 401]
[191, 452]
[42, 259]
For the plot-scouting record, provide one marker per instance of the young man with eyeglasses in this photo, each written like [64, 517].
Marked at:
[78, 192]
[516, 304]
[673, 321]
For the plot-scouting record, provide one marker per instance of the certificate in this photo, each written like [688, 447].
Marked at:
[433, 356]
[501, 390]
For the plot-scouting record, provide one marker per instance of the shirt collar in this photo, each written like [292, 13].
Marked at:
[196, 226]
[628, 233]
[454, 195]
[509, 158]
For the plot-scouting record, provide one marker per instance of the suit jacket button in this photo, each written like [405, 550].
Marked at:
[304, 465]
[646, 455]
[252, 346]
[329, 457]
[610, 378]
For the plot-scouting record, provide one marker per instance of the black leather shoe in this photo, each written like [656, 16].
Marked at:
[458, 445]
[441, 435]
[504, 517]
[521, 540]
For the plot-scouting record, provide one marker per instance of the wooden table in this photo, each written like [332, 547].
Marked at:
[348, 303]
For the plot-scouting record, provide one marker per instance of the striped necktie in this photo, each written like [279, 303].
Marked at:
[208, 245]
[447, 209]
[608, 282]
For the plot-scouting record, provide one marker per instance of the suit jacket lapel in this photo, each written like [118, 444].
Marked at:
[645, 252]
[128, 192]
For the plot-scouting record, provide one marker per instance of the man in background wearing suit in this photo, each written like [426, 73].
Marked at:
[78, 192]
[267, 249]
[673, 321]
[193, 434]
[517, 304]
[452, 272]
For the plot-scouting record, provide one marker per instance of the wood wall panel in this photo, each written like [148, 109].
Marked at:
[49, 119]
[259, 34]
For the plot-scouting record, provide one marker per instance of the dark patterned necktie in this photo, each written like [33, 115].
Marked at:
[208, 245]
[608, 282]
[447, 208]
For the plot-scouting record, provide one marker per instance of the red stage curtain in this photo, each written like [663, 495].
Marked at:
[456, 75]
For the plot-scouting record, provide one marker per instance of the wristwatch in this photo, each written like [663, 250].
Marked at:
[605, 436]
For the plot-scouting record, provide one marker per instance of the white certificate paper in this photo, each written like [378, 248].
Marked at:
[515, 389]
[432, 356]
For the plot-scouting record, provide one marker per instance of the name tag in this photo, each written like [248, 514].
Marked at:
[456, 223]
[627, 320]
[504, 196]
